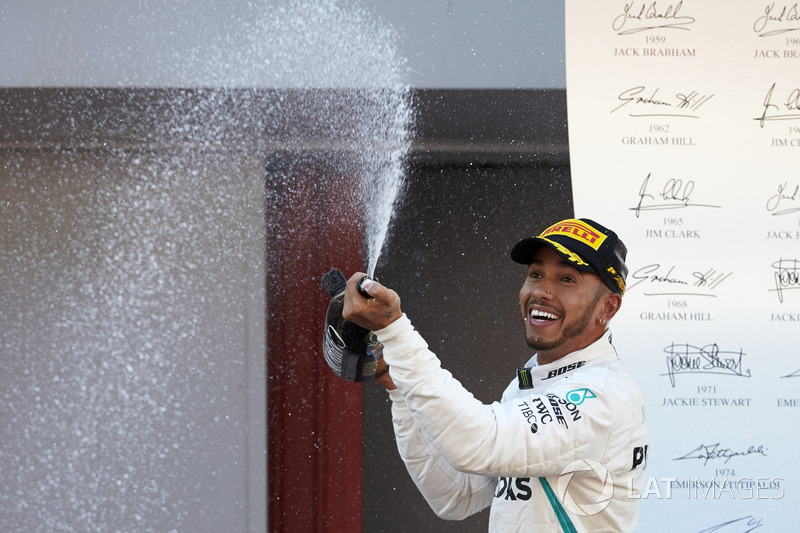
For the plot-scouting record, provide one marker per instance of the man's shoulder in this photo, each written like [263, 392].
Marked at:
[606, 378]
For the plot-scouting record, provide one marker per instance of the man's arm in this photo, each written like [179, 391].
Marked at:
[491, 440]
[451, 494]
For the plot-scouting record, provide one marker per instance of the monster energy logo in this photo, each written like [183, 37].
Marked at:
[525, 378]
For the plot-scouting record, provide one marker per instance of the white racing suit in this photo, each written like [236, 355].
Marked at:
[582, 416]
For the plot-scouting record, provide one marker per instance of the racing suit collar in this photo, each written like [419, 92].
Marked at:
[599, 349]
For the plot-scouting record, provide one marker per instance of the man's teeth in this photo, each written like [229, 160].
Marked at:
[543, 315]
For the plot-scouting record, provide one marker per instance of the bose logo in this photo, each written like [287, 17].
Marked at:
[567, 368]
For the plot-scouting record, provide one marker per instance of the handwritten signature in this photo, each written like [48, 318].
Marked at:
[785, 13]
[708, 359]
[750, 523]
[791, 105]
[675, 195]
[684, 104]
[702, 284]
[787, 276]
[775, 200]
[710, 452]
[635, 19]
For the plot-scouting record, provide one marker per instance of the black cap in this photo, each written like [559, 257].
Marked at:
[587, 246]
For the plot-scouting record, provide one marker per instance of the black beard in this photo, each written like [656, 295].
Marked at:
[573, 330]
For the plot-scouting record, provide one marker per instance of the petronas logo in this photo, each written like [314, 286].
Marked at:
[578, 396]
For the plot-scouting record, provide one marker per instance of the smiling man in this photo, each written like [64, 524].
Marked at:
[565, 448]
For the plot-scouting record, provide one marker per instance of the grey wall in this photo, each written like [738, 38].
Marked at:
[480, 43]
[187, 43]
[132, 386]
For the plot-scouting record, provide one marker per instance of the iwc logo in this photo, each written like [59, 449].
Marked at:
[583, 499]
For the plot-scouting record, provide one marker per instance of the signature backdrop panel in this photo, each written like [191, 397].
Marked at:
[684, 127]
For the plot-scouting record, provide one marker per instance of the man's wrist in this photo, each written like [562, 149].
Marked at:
[382, 376]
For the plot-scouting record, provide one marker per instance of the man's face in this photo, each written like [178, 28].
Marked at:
[561, 306]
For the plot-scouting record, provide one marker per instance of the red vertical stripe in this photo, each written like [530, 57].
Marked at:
[314, 428]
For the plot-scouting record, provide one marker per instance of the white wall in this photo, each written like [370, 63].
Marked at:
[160, 43]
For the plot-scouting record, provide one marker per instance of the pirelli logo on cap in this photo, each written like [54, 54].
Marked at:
[577, 230]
